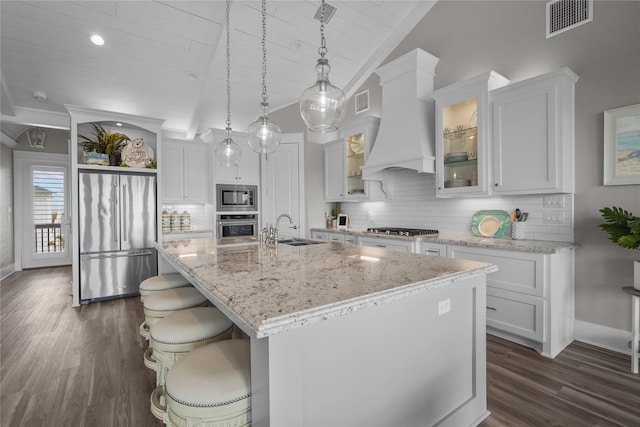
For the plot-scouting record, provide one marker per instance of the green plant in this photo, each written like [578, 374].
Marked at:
[336, 210]
[623, 227]
[152, 165]
[104, 141]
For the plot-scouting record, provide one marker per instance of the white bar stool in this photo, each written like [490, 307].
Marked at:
[161, 282]
[163, 303]
[210, 386]
[174, 336]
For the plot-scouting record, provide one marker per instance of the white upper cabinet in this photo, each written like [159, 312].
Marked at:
[343, 161]
[462, 135]
[247, 171]
[185, 175]
[533, 135]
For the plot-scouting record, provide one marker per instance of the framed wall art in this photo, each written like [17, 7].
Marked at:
[622, 146]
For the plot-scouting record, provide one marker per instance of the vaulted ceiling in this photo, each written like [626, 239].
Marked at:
[166, 59]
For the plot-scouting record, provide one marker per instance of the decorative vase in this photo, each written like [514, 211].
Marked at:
[636, 275]
[114, 160]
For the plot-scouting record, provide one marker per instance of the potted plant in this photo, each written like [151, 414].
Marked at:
[624, 229]
[105, 142]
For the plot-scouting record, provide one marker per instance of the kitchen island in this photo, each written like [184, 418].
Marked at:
[345, 335]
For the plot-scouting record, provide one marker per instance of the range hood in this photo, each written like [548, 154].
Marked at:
[407, 126]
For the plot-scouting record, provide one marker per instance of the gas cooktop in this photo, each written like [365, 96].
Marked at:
[396, 231]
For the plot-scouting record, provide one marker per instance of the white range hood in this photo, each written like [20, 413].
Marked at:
[406, 135]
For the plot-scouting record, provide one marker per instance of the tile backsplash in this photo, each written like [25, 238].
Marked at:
[415, 204]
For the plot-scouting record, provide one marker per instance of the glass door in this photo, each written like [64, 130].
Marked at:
[460, 144]
[355, 161]
[45, 210]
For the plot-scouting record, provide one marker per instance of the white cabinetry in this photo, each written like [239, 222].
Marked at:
[329, 236]
[533, 135]
[185, 176]
[343, 161]
[386, 243]
[247, 171]
[430, 248]
[530, 299]
[462, 135]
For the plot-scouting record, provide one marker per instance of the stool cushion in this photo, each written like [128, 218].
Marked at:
[189, 326]
[174, 299]
[213, 375]
[163, 282]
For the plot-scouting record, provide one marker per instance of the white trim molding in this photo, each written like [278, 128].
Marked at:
[603, 336]
[7, 271]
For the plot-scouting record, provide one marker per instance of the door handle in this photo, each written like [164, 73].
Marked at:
[492, 308]
[124, 212]
[90, 257]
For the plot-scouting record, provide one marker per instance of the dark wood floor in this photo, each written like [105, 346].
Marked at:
[63, 366]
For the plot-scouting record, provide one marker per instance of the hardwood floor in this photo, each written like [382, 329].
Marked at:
[64, 366]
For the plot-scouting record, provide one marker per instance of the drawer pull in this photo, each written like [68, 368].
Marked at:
[492, 308]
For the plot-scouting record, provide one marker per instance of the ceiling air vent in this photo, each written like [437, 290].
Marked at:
[328, 13]
[562, 15]
[362, 101]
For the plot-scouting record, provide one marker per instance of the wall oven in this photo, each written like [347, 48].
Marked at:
[231, 197]
[237, 225]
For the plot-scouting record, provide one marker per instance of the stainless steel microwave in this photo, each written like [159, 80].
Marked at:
[231, 197]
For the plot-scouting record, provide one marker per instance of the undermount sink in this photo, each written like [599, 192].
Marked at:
[298, 242]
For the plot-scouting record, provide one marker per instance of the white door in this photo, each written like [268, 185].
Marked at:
[282, 189]
[42, 210]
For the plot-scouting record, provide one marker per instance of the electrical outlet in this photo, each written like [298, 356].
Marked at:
[556, 201]
[444, 307]
[553, 218]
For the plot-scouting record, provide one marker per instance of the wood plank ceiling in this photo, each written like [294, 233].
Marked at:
[166, 59]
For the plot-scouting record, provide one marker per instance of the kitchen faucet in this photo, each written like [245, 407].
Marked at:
[270, 233]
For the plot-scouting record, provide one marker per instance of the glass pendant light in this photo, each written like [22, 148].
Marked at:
[323, 105]
[228, 152]
[264, 135]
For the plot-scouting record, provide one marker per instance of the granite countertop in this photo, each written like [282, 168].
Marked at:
[271, 290]
[538, 246]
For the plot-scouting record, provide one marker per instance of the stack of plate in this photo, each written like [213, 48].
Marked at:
[456, 156]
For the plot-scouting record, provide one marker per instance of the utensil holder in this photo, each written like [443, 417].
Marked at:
[518, 230]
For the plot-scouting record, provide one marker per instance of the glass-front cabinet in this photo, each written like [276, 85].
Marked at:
[462, 132]
[344, 158]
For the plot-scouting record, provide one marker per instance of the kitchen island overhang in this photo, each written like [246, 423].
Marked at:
[347, 335]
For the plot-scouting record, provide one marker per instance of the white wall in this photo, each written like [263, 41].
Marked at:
[471, 37]
[6, 210]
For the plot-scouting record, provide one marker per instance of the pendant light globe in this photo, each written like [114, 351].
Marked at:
[228, 152]
[264, 135]
[323, 105]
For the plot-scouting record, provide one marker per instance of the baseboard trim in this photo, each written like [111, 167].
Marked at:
[7, 271]
[603, 336]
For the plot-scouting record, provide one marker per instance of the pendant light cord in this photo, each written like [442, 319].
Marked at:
[264, 51]
[228, 71]
[322, 50]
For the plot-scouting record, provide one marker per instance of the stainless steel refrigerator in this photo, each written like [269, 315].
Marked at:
[117, 214]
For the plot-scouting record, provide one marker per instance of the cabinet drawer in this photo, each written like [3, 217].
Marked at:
[336, 237]
[396, 245]
[350, 239]
[515, 313]
[318, 235]
[517, 271]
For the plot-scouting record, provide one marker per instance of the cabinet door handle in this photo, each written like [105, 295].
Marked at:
[492, 308]
[381, 246]
[496, 184]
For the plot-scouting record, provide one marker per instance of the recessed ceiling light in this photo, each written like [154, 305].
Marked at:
[97, 40]
[118, 124]
[192, 76]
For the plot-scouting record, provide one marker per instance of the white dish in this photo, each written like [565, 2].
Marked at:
[489, 226]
